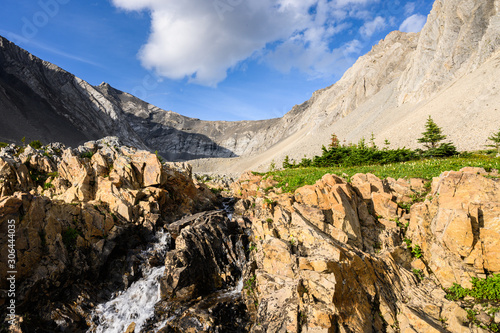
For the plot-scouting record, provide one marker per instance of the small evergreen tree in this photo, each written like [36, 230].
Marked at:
[387, 144]
[362, 143]
[335, 143]
[372, 142]
[432, 135]
[287, 164]
[495, 137]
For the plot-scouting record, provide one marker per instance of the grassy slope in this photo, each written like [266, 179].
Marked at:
[291, 179]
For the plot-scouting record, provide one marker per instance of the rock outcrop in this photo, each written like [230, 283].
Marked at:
[458, 227]
[208, 256]
[369, 255]
[201, 286]
[76, 209]
[345, 257]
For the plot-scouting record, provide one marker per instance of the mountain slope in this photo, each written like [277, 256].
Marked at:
[448, 71]
[41, 101]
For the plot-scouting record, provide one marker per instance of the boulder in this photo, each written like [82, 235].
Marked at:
[207, 256]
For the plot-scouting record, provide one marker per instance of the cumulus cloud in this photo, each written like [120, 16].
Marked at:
[414, 23]
[203, 39]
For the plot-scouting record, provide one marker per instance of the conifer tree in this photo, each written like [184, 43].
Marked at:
[432, 135]
[495, 137]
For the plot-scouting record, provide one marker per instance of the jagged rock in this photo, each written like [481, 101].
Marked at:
[208, 251]
[306, 274]
[458, 229]
[71, 208]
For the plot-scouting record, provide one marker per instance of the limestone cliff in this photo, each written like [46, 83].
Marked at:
[345, 257]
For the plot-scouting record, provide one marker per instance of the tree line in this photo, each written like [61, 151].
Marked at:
[365, 153]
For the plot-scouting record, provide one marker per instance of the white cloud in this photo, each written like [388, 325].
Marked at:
[410, 8]
[203, 39]
[414, 23]
[371, 27]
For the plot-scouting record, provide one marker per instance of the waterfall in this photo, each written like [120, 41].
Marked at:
[136, 304]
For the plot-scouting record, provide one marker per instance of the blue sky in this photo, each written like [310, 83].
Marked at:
[209, 59]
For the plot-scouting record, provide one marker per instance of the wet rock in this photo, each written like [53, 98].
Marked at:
[209, 251]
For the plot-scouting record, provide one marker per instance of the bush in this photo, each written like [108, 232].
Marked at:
[87, 154]
[159, 157]
[69, 237]
[36, 144]
[482, 289]
[354, 155]
[444, 150]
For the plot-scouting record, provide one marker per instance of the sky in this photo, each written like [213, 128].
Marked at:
[209, 59]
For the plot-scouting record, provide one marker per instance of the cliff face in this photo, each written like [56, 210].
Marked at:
[345, 257]
[41, 101]
[458, 37]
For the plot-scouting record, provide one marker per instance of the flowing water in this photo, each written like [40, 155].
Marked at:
[136, 304]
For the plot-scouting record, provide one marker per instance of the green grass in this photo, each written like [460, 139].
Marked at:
[427, 169]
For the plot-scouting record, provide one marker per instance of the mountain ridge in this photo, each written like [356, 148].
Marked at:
[388, 92]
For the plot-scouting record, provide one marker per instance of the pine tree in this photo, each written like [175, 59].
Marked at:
[495, 137]
[335, 143]
[432, 135]
[372, 142]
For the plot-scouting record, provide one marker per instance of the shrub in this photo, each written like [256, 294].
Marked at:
[159, 157]
[488, 288]
[482, 289]
[69, 237]
[87, 154]
[36, 144]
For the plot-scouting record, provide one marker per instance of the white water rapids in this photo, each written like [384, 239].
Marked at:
[136, 304]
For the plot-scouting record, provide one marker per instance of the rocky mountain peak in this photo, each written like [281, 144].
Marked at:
[458, 37]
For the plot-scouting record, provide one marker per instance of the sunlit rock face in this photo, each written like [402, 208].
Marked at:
[78, 212]
[331, 255]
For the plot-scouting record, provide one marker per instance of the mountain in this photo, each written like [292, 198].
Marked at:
[448, 70]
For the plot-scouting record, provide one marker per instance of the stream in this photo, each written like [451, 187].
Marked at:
[137, 303]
